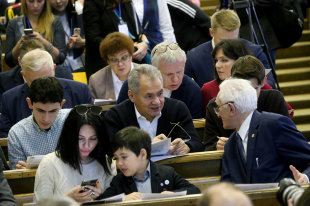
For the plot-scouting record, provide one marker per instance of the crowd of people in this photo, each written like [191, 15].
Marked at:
[161, 77]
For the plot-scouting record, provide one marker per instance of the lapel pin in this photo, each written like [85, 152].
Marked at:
[253, 135]
[166, 182]
[161, 184]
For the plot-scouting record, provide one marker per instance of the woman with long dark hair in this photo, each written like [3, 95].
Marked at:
[81, 155]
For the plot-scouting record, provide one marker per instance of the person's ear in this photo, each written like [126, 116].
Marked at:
[143, 154]
[211, 32]
[131, 96]
[29, 103]
[232, 108]
[62, 103]
[19, 59]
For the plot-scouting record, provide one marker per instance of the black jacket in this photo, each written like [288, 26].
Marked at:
[174, 111]
[159, 174]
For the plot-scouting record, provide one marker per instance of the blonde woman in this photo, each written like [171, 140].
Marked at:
[46, 28]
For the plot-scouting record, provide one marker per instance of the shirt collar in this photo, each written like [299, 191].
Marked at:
[139, 116]
[213, 44]
[146, 174]
[167, 93]
[245, 126]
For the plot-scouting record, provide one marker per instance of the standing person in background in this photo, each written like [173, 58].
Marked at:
[154, 18]
[102, 17]
[186, 16]
[46, 28]
[74, 31]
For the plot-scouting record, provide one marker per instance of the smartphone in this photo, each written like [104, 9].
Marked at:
[28, 31]
[89, 182]
[77, 31]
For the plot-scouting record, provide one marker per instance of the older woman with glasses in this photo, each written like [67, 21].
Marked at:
[116, 49]
[81, 155]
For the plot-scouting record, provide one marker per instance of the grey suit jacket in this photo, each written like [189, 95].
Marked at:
[101, 84]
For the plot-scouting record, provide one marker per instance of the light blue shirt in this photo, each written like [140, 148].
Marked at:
[27, 139]
[144, 186]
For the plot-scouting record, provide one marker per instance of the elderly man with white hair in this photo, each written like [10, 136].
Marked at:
[170, 60]
[37, 64]
[264, 146]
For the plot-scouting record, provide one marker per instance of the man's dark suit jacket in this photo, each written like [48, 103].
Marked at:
[12, 78]
[268, 101]
[274, 143]
[188, 92]
[159, 175]
[15, 107]
[6, 196]
[200, 65]
[174, 111]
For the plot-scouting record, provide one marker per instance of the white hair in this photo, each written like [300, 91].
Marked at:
[35, 59]
[172, 53]
[240, 92]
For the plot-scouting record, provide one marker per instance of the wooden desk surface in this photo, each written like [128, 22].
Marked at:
[3, 142]
[266, 197]
[206, 164]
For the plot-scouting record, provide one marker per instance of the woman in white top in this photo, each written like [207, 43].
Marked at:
[116, 49]
[81, 154]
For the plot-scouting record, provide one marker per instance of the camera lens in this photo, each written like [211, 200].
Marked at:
[288, 189]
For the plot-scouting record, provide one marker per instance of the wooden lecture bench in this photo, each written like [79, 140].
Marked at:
[266, 197]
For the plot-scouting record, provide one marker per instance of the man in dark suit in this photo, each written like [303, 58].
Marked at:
[264, 146]
[12, 78]
[225, 24]
[170, 60]
[148, 109]
[6, 196]
[36, 64]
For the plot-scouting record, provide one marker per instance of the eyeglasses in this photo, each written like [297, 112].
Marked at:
[163, 48]
[217, 107]
[83, 109]
[123, 59]
[178, 125]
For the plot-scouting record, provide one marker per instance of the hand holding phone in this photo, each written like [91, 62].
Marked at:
[77, 31]
[28, 31]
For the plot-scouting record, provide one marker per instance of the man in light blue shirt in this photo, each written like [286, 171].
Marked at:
[38, 134]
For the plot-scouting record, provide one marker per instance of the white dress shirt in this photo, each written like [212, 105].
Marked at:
[149, 127]
[244, 131]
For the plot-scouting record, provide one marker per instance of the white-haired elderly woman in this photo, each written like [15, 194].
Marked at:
[170, 60]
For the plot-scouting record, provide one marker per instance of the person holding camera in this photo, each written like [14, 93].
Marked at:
[74, 31]
[37, 22]
[81, 154]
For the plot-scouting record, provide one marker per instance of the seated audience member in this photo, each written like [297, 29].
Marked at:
[116, 49]
[81, 154]
[38, 134]
[250, 68]
[12, 78]
[225, 24]
[225, 53]
[35, 64]
[46, 28]
[57, 201]
[264, 146]
[3, 162]
[224, 194]
[170, 59]
[132, 152]
[191, 24]
[75, 40]
[152, 112]
[6, 196]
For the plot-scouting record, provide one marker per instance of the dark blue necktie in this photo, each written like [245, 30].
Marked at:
[240, 147]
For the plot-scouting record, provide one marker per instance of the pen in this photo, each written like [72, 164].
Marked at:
[257, 162]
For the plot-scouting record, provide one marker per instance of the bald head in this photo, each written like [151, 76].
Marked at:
[37, 64]
[224, 194]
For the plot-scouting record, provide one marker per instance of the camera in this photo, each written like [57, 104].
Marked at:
[288, 189]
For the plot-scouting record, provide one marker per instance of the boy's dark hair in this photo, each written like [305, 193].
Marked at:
[68, 144]
[46, 90]
[248, 67]
[232, 48]
[134, 139]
